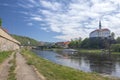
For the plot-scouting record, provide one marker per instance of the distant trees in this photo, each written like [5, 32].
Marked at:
[115, 47]
[75, 43]
[118, 40]
[85, 43]
[92, 43]
[0, 22]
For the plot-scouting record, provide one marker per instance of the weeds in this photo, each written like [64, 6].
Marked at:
[4, 55]
[12, 74]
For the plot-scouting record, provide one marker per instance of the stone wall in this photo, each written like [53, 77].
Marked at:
[7, 42]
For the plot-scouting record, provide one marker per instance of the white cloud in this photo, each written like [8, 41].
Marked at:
[50, 5]
[79, 18]
[30, 24]
[36, 18]
[26, 5]
[44, 28]
[5, 4]
[32, 1]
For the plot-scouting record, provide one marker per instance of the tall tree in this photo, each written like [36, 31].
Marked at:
[118, 40]
[112, 35]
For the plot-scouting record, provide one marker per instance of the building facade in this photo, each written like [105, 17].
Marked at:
[7, 42]
[103, 33]
[63, 44]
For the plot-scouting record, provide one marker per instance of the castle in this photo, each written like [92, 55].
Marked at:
[102, 33]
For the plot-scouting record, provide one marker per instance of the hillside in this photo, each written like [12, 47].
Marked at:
[26, 40]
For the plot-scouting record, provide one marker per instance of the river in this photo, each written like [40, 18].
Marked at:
[100, 63]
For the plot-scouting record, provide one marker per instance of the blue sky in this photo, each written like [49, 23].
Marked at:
[59, 20]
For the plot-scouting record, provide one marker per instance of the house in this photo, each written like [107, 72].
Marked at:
[63, 44]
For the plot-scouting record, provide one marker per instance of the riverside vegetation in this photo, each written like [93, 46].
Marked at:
[53, 71]
[4, 55]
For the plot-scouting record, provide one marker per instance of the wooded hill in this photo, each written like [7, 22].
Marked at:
[25, 41]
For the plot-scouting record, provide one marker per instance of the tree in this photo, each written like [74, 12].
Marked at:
[118, 40]
[75, 43]
[0, 22]
[113, 35]
[85, 43]
[116, 47]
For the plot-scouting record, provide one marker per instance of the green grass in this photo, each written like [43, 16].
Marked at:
[115, 52]
[4, 55]
[54, 71]
[89, 51]
[94, 51]
[12, 74]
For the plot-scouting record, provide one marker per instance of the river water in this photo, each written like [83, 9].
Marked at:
[100, 63]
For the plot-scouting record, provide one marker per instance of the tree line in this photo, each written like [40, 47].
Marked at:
[96, 43]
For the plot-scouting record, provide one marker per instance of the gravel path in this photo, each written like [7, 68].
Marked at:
[24, 71]
[4, 68]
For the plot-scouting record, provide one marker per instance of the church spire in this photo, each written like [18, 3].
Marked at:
[100, 24]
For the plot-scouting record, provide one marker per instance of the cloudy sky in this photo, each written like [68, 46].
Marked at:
[59, 20]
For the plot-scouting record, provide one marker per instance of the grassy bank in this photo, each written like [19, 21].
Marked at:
[89, 51]
[4, 55]
[57, 72]
[115, 53]
[94, 51]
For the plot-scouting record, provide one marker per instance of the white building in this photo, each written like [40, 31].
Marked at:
[100, 32]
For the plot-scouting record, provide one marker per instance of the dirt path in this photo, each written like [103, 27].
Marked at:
[4, 68]
[24, 71]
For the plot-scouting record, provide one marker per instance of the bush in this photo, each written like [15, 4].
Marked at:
[115, 47]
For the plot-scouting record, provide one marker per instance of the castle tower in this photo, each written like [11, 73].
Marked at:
[100, 25]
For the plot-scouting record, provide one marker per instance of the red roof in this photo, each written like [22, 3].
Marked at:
[66, 43]
[101, 30]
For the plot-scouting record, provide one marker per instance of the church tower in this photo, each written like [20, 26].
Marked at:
[100, 25]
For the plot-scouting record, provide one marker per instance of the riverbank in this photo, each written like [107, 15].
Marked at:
[96, 51]
[54, 71]
[92, 51]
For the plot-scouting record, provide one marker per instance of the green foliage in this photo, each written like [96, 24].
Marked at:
[4, 55]
[53, 71]
[75, 43]
[85, 43]
[25, 41]
[115, 47]
[89, 43]
[0, 22]
[118, 40]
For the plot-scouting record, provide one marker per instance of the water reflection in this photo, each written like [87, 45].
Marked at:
[102, 63]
